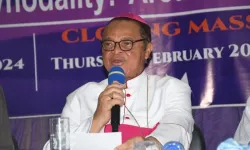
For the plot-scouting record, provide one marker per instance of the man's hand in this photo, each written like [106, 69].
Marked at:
[112, 95]
[129, 144]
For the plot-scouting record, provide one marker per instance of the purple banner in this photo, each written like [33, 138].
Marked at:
[206, 45]
[26, 11]
[46, 16]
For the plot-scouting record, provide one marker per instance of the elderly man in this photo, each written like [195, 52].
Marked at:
[153, 108]
[242, 134]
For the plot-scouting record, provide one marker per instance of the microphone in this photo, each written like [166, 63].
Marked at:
[116, 73]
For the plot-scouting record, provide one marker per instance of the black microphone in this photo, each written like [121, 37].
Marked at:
[116, 73]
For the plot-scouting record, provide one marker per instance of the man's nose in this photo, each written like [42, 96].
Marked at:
[117, 49]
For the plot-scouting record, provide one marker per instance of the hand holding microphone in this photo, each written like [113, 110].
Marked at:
[110, 100]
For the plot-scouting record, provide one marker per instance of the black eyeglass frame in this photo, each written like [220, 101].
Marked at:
[119, 43]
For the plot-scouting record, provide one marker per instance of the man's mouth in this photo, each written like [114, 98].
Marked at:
[117, 62]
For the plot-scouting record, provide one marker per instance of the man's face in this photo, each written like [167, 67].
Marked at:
[132, 62]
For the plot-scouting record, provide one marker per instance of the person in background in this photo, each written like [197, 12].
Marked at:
[242, 134]
[153, 108]
[7, 141]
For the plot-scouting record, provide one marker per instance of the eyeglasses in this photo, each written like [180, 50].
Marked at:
[125, 45]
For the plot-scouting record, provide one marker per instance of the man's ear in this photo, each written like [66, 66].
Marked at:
[148, 50]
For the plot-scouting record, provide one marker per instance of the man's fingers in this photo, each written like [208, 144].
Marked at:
[105, 98]
[125, 146]
[119, 95]
[114, 102]
[110, 92]
[116, 85]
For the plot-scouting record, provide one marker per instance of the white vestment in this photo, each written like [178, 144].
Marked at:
[169, 103]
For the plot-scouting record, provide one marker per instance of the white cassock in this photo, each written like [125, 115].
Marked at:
[242, 134]
[167, 99]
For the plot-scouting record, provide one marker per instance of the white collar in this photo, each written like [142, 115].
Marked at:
[137, 81]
